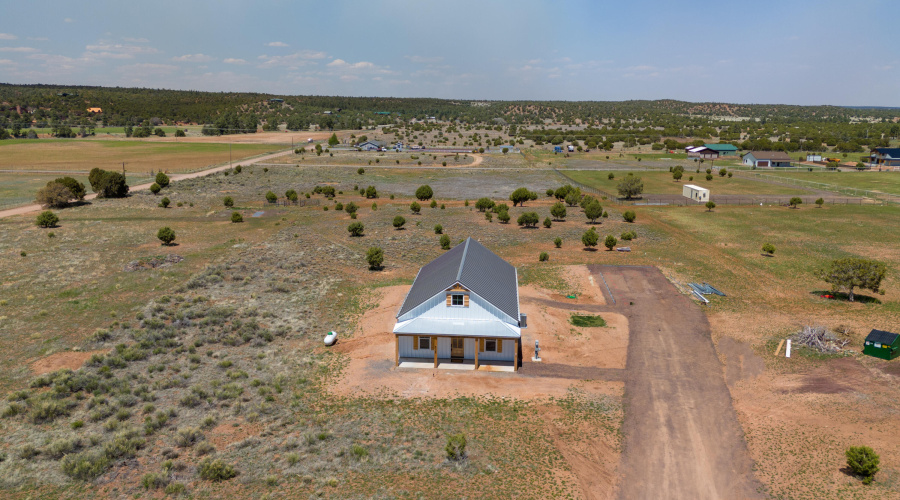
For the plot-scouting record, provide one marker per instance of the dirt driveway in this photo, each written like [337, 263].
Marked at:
[682, 436]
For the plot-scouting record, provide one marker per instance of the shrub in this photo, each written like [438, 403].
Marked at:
[164, 203]
[503, 217]
[456, 447]
[238, 169]
[154, 188]
[215, 470]
[291, 195]
[374, 207]
[627, 236]
[166, 235]
[630, 186]
[375, 257]
[629, 216]
[54, 195]
[710, 205]
[356, 228]
[359, 452]
[162, 179]
[611, 175]
[484, 204]
[593, 211]
[86, 465]
[709, 177]
[424, 192]
[768, 248]
[557, 242]
[187, 437]
[820, 202]
[610, 242]
[228, 201]
[489, 216]
[47, 219]
[543, 257]
[154, 481]
[271, 197]
[360, 171]
[795, 201]
[350, 208]
[48, 411]
[863, 461]
[528, 219]
[590, 238]
[548, 223]
[722, 172]
[237, 217]
[445, 242]
[433, 204]
[415, 207]
[558, 211]
[399, 221]
[371, 192]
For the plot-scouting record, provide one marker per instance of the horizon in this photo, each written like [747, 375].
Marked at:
[699, 52]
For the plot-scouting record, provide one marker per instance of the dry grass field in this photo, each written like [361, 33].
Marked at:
[140, 157]
[219, 356]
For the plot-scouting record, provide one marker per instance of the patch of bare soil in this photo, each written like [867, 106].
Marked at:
[592, 460]
[70, 360]
[741, 363]
[231, 432]
[371, 352]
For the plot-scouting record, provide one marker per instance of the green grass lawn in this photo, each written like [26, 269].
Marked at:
[662, 183]
[885, 182]
[19, 189]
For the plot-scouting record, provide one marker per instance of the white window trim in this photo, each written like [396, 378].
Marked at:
[462, 300]
[495, 345]
[420, 348]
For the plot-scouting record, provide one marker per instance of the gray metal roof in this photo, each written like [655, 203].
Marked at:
[477, 269]
[458, 327]
[882, 337]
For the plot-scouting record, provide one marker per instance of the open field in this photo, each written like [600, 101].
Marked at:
[230, 340]
[139, 156]
[885, 182]
[662, 183]
[19, 188]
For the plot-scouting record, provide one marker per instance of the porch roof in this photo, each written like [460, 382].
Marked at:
[458, 328]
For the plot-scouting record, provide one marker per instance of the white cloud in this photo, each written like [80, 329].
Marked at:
[277, 44]
[38, 38]
[197, 58]
[135, 40]
[147, 69]
[68, 20]
[7, 61]
[424, 60]
[291, 61]
[7, 36]
[349, 78]
[231, 60]
[18, 49]
[340, 63]
[106, 50]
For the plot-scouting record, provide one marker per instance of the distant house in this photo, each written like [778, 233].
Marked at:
[813, 157]
[462, 311]
[695, 193]
[767, 159]
[94, 110]
[885, 157]
[702, 152]
[276, 100]
[723, 149]
[371, 145]
[881, 344]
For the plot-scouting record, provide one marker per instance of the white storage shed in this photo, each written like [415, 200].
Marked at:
[695, 193]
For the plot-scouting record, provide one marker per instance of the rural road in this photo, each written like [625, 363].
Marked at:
[25, 209]
[682, 436]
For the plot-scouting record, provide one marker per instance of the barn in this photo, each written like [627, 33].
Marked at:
[461, 312]
[724, 149]
[882, 344]
[701, 152]
[695, 193]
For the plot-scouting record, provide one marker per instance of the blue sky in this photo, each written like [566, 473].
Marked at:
[843, 52]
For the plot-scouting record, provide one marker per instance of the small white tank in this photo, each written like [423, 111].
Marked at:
[331, 338]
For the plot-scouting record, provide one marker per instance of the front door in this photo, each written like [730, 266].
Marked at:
[457, 352]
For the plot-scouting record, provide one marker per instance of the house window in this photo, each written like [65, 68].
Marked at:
[456, 300]
[425, 343]
[490, 345]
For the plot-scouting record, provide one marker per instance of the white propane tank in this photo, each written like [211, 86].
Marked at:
[331, 338]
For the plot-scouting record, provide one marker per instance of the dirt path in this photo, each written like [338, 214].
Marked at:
[140, 187]
[682, 437]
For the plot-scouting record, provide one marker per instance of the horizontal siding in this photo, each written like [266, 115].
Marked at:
[506, 355]
[408, 349]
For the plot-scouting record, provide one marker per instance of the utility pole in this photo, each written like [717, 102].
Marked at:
[229, 154]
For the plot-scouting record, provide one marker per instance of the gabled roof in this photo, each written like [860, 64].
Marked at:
[695, 187]
[770, 155]
[721, 147]
[373, 142]
[892, 152]
[475, 268]
[882, 337]
[695, 149]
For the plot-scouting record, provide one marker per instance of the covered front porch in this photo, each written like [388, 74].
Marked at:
[452, 364]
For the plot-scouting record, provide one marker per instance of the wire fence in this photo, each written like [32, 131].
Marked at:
[821, 186]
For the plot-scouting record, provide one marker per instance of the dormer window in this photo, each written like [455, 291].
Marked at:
[457, 299]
